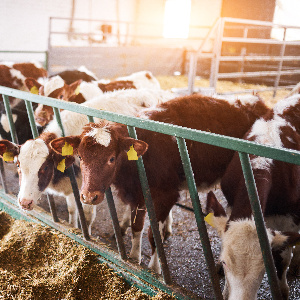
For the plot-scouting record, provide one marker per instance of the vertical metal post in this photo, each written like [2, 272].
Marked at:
[114, 217]
[71, 173]
[35, 134]
[116, 225]
[199, 217]
[243, 53]
[151, 213]
[279, 68]
[260, 226]
[192, 71]
[12, 128]
[217, 53]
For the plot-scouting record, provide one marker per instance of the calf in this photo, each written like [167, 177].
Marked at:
[278, 186]
[102, 149]
[37, 162]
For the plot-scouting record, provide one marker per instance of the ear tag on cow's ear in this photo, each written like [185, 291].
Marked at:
[132, 154]
[8, 156]
[67, 149]
[209, 219]
[77, 91]
[34, 90]
[61, 166]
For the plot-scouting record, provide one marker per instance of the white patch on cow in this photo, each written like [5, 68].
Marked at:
[266, 133]
[32, 155]
[233, 99]
[89, 90]
[101, 135]
[154, 263]
[88, 72]
[5, 123]
[286, 103]
[141, 80]
[17, 74]
[242, 258]
[136, 248]
[53, 84]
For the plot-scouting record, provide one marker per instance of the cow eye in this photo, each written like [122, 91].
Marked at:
[18, 166]
[112, 159]
[79, 157]
[61, 96]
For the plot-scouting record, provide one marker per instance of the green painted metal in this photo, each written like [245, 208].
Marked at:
[151, 213]
[71, 174]
[260, 226]
[290, 156]
[30, 113]
[188, 171]
[180, 133]
[11, 123]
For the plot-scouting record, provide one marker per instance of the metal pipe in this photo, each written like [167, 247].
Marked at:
[188, 171]
[151, 213]
[11, 123]
[260, 226]
[71, 174]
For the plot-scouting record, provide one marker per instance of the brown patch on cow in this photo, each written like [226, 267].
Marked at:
[148, 76]
[116, 85]
[30, 70]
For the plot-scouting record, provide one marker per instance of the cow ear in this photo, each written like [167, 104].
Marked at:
[139, 146]
[8, 150]
[282, 240]
[32, 85]
[74, 88]
[216, 215]
[65, 145]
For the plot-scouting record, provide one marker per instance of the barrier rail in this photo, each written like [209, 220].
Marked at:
[243, 147]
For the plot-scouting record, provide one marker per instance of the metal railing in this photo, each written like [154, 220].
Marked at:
[216, 33]
[181, 133]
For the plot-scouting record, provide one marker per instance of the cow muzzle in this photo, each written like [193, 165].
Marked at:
[91, 198]
[26, 204]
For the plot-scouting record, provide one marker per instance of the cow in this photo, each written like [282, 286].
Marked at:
[278, 187]
[102, 150]
[13, 75]
[37, 162]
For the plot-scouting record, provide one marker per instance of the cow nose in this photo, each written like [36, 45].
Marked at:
[26, 204]
[91, 198]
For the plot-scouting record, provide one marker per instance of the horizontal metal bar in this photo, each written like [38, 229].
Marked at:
[258, 41]
[286, 155]
[259, 23]
[259, 58]
[256, 74]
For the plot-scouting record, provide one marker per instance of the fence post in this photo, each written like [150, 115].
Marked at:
[199, 217]
[260, 226]
[151, 213]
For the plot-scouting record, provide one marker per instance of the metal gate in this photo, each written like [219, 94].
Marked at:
[142, 277]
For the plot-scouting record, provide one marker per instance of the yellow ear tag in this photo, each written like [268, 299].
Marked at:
[132, 154]
[67, 149]
[8, 156]
[34, 90]
[77, 91]
[61, 166]
[209, 219]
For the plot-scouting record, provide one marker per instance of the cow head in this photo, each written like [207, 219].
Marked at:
[55, 87]
[101, 150]
[36, 163]
[241, 253]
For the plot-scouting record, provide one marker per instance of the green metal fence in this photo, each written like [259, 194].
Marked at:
[138, 274]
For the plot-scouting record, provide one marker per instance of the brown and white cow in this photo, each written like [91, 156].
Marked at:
[278, 186]
[103, 151]
[37, 162]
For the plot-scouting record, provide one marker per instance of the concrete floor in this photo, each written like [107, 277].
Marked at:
[183, 249]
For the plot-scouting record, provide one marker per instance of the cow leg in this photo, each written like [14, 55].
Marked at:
[90, 215]
[168, 226]
[282, 261]
[126, 220]
[137, 226]
[295, 263]
[73, 214]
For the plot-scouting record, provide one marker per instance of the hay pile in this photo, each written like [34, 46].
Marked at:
[38, 262]
[168, 82]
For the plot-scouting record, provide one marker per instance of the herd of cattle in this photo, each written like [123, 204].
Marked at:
[100, 156]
